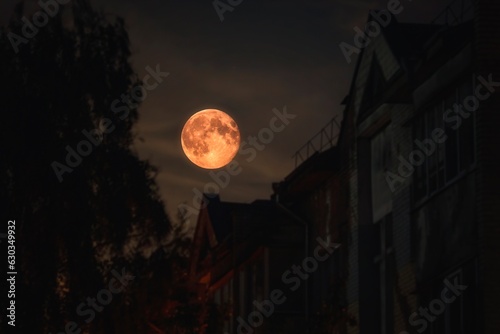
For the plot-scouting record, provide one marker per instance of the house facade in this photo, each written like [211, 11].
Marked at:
[417, 116]
[407, 200]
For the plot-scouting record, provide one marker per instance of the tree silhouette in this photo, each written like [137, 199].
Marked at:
[106, 214]
[183, 312]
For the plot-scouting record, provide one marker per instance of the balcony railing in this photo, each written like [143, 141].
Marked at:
[323, 140]
[458, 11]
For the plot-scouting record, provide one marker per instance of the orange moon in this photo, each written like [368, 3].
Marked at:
[210, 139]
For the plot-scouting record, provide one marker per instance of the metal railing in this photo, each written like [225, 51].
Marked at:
[458, 11]
[324, 139]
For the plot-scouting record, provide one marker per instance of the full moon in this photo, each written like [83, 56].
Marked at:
[210, 139]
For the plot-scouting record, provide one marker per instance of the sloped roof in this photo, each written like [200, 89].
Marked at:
[408, 39]
[405, 40]
[222, 214]
[229, 234]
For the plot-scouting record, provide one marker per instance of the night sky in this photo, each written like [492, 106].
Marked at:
[264, 55]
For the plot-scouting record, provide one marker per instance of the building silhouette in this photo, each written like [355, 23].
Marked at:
[407, 195]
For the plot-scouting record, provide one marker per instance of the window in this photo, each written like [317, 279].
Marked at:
[459, 314]
[449, 160]
[381, 162]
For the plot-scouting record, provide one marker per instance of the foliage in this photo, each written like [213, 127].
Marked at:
[107, 213]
